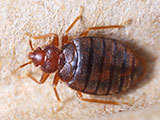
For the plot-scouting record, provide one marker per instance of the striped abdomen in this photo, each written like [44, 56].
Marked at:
[99, 66]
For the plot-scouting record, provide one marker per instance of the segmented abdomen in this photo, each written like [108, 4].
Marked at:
[100, 66]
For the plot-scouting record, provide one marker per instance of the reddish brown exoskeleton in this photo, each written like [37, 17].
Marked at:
[92, 65]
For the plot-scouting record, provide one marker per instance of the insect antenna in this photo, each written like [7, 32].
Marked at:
[23, 65]
[30, 44]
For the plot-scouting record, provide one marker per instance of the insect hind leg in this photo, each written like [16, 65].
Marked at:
[79, 94]
[85, 32]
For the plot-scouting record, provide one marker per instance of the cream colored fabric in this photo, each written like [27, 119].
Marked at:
[22, 99]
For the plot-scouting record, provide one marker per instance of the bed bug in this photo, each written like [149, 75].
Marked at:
[91, 65]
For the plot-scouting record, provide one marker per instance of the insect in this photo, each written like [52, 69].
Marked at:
[91, 65]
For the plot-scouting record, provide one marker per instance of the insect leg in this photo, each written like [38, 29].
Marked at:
[75, 21]
[42, 80]
[79, 94]
[65, 37]
[55, 38]
[85, 32]
[55, 82]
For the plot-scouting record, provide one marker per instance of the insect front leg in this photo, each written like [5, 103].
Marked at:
[42, 80]
[55, 40]
[55, 82]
